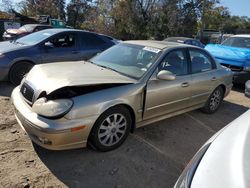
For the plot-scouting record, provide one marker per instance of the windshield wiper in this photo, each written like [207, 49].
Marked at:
[106, 67]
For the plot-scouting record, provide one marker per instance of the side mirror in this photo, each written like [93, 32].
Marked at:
[48, 45]
[166, 75]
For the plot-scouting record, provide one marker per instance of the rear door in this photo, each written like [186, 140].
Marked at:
[164, 97]
[204, 79]
[62, 47]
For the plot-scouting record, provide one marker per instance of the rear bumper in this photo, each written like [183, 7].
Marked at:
[51, 134]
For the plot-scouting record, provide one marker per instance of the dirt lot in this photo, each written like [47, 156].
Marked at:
[153, 156]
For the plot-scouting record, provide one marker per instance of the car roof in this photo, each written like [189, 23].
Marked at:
[34, 25]
[59, 30]
[245, 35]
[155, 44]
[178, 38]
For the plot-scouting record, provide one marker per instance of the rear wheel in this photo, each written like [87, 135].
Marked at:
[18, 71]
[111, 129]
[214, 101]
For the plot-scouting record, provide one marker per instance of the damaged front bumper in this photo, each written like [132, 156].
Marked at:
[54, 134]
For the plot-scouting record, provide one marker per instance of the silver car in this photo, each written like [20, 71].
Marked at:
[223, 161]
[69, 104]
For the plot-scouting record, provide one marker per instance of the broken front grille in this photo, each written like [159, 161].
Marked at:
[27, 92]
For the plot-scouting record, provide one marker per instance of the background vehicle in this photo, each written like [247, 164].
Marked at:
[234, 53]
[13, 34]
[129, 85]
[223, 161]
[185, 40]
[247, 89]
[51, 45]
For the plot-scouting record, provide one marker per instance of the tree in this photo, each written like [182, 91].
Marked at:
[54, 8]
[77, 12]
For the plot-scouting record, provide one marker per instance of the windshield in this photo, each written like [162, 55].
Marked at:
[240, 42]
[127, 59]
[35, 38]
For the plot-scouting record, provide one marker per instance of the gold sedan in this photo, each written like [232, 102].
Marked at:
[69, 104]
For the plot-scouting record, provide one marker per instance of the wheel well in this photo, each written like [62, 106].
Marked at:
[28, 61]
[132, 113]
[223, 87]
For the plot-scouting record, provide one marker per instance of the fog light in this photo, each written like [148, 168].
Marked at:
[44, 141]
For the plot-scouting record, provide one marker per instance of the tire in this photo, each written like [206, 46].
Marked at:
[214, 101]
[18, 71]
[107, 135]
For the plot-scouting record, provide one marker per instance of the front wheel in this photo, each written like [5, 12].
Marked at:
[18, 71]
[214, 101]
[111, 129]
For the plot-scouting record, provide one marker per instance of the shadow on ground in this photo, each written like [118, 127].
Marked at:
[6, 89]
[153, 156]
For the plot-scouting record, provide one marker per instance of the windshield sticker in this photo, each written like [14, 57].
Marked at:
[155, 50]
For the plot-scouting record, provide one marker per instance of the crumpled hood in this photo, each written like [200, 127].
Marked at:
[50, 77]
[229, 55]
[226, 163]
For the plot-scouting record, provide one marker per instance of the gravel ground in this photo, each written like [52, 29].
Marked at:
[153, 156]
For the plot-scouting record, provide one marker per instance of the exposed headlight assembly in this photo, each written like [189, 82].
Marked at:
[52, 108]
[186, 177]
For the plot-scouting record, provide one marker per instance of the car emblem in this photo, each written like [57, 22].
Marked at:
[24, 90]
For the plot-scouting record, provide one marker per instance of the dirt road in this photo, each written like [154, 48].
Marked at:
[153, 156]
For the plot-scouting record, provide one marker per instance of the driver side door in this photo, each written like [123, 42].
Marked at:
[61, 47]
[164, 97]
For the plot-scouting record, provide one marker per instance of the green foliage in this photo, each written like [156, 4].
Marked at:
[139, 19]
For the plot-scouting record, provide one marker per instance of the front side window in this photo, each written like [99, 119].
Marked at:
[62, 41]
[128, 59]
[200, 62]
[175, 62]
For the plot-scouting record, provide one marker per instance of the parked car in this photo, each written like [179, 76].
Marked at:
[69, 104]
[51, 45]
[234, 53]
[247, 89]
[185, 40]
[13, 34]
[223, 161]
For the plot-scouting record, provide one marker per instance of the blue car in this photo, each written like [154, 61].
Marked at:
[17, 57]
[234, 53]
[185, 40]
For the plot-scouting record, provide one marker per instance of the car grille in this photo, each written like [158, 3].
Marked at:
[27, 92]
[233, 67]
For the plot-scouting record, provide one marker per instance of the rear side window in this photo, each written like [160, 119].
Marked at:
[90, 40]
[200, 62]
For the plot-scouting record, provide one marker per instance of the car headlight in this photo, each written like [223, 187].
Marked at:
[52, 108]
[1, 55]
[186, 177]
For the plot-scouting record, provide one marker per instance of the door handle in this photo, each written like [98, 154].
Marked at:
[214, 79]
[185, 84]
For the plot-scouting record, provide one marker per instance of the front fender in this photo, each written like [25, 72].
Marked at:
[96, 103]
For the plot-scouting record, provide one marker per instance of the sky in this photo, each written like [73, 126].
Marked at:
[236, 7]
